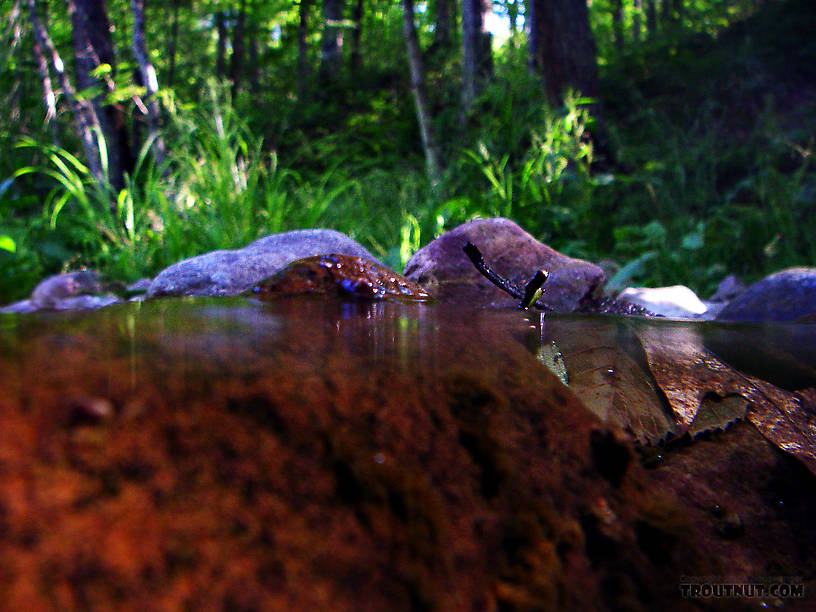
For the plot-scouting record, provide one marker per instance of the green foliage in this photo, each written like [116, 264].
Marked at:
[705, 166]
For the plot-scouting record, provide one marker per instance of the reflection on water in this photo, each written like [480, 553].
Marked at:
[219, 335]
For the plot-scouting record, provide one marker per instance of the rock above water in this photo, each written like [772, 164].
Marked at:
[80, 290]
[446, 272]
[344, 274]
[678, 301]
[222, 273]
[784, 296]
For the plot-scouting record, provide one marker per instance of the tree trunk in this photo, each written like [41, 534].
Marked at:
[303, 48]
[93, 47]
[84, 114]
[638, 5]
[149, 79]
[420, 98]
[221, 45]
[476, 53]
[651, 18]
[617, 23]
[254, 58]
[665, 12]
[513, 14]
[562, 49]
[679, 9]
[356, 36]
[331, 47]
[442, 27]
[172, 45]
[237, 60]
[49, 98]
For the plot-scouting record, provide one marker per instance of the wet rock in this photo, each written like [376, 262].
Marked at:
[446, 272]
[678, 301]
[344, 274]
[81, 290]
[221, 273]
[783, 296]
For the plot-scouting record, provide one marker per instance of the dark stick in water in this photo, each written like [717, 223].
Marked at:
[532, 289]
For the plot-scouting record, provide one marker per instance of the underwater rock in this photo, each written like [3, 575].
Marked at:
[343, 274]
[221, 273]
[678, 301]
[784, 296]
[447, 273]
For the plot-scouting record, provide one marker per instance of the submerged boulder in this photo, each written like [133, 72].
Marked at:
[784, 296]
[344, 274]
[220, 273]
[447, 273]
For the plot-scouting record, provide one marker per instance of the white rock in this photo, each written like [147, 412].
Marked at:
[678, 301]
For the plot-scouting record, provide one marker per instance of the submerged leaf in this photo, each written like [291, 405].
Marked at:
[688, 374]
[608, 379]
[718, 413]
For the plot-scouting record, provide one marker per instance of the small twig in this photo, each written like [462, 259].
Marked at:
[532, 289]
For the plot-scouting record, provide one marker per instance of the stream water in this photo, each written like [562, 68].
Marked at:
[181, 450]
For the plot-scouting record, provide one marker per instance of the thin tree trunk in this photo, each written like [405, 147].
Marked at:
[49, 98]
[665, 12]
[476, 53]
[679, 10]
[617, 23]
[420, 98]
[172, 45]
[331, 47]
[303, 48]
[220, 45]
[356, 36]
[513, 14]
[636, 19]
[84, 114]
[254, 61]
[651, 18]
[442, 29]
[237, 63]
[149, 79]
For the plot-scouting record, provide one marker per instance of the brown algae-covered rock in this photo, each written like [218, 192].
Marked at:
[342, 274]
[444, 269]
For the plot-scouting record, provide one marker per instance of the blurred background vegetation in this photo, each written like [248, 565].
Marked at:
[691, 159]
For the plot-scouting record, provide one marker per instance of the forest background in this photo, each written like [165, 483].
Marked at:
[672, 137]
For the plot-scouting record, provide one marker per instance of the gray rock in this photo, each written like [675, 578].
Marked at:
[21, 307]
[222, 273]
[53, 290]
[783, 296]
[729, 288]
[81, 290]
[140, 286]
[447, 273]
